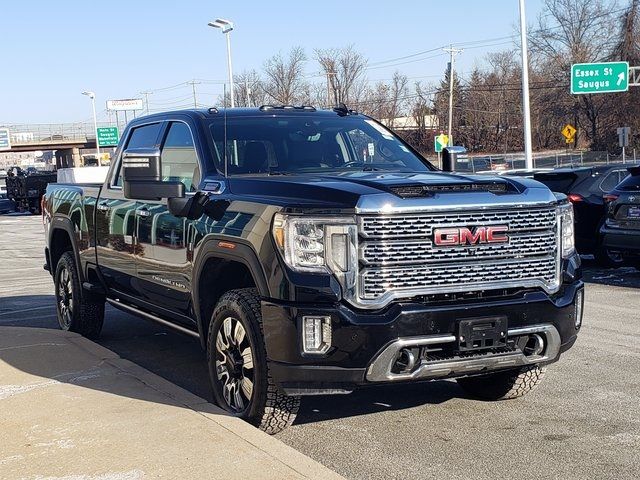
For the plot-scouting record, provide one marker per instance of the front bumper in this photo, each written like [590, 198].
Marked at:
[359, 338]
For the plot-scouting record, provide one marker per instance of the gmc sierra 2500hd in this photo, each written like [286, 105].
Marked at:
[313, 252]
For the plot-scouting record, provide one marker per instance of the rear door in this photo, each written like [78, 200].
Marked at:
[116, 219]
[164, 256]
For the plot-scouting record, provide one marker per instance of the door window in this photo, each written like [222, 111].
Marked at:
[179, 159]
[612, 179]
[145, 136]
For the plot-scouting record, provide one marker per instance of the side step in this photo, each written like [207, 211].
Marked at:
[149, 316]
[93, 288]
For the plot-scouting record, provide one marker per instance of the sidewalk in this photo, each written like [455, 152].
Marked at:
[71, 409]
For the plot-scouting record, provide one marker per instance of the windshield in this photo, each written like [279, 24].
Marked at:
[298, 145]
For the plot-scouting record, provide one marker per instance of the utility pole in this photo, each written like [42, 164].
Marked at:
[329, 73]
[452, 55]
[146, 100]
[526, 109]
[193, 84]
[247, 93]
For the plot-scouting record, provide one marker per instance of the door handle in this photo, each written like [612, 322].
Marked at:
[103, 207]
[143, 212]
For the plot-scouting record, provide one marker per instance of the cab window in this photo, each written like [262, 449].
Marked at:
[145, 136]
[178, 157]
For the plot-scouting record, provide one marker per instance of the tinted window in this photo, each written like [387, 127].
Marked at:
[141, 137]
[310, 144]
[612, 179]
[178, 158]
[631, 183]
[557, 182]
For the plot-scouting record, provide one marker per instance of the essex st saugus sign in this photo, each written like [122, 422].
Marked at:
[606, 77]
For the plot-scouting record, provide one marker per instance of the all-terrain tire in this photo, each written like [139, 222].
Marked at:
[77, 310]
[503, 385]
[269, 409]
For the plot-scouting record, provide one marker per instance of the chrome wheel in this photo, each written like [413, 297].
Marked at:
[234, 364]
[65, 297]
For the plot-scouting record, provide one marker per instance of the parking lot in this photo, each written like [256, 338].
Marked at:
[583, 422]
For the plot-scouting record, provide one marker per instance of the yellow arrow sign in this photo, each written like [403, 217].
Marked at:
[569, 132]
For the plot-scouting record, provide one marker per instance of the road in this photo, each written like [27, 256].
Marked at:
[583, 421]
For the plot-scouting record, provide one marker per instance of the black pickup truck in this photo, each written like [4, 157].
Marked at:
[314, 252]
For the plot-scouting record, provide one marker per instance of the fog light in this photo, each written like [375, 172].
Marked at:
[579, 305]
[316, 334]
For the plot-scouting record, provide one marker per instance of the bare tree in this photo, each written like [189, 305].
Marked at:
[344, 71]
[285, 82]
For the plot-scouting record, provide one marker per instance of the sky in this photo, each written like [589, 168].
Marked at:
[54, 50]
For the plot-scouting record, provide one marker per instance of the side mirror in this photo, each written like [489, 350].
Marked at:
[142, 176]
[195, 206]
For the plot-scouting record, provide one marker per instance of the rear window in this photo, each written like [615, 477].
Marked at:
[631, 183]
[557, 182]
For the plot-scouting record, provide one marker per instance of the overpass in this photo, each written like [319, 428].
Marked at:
[66, 138]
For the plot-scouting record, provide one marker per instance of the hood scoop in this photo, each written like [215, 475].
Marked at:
[421, 190]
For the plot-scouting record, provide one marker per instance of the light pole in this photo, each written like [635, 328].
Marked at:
[452, 52]
[226, 26]
[526, 110]
[92, 96]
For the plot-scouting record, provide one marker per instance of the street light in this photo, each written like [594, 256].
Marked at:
[92, 96]
[226, 26]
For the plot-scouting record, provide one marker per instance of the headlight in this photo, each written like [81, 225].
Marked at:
[317, 244]
[567, 230]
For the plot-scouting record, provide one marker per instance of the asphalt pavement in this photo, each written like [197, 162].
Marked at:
[582, 423]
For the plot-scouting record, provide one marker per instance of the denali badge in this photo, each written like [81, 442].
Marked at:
[443, 237]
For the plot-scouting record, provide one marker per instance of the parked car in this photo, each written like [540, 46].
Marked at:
[26, 187]
[585, 188]
[6, 205]
[314, 252]
[621, 230]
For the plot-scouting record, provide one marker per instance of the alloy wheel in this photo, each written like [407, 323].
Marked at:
[65, 297]
[234, 364]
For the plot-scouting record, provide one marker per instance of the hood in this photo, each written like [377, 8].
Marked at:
[346, 189]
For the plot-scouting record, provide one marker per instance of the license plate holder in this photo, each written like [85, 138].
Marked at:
[633, 212]
[482, 333]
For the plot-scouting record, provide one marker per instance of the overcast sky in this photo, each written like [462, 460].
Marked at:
[53, 50]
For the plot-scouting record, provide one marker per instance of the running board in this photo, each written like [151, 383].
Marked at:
[149, 316]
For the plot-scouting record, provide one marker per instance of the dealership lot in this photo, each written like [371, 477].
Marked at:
[583, 422]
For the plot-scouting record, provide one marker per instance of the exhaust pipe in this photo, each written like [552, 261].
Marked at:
[406, 361]
[535, 345]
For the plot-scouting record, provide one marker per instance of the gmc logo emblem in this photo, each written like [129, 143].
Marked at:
[443, 237]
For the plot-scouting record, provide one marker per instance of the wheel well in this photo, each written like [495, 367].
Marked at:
[60, 243]
[218, 277]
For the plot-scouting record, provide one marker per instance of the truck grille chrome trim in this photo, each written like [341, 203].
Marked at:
[380, 369]
[398, 258]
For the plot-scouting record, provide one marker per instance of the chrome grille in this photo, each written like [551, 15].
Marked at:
[398, 259]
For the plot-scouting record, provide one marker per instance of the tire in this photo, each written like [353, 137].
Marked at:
[503, 385]
[78, 311]
[608, 258]
[238, 369]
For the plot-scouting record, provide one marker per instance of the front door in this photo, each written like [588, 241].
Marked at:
[116, 220]
[163, 257]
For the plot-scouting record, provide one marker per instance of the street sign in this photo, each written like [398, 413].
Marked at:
[440, 142]
[107, 136]
[599, 77]
[5, 140]
[568, 132]
[126, 104]
[623, 136]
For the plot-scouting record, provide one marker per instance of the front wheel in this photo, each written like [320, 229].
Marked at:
[503, 385]
[238, 369]
[77, 310]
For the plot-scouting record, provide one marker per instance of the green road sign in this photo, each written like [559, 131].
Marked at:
[5, 140]
[440, 142]
[599, 77]
[107, 136]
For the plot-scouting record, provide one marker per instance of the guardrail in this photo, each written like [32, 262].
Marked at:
[34, 133]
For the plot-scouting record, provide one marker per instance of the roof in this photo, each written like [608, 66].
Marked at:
[266, 110]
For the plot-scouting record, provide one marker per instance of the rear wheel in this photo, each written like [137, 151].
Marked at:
[503, 385]
[78, 311]
[606, 257]
[238, 368]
